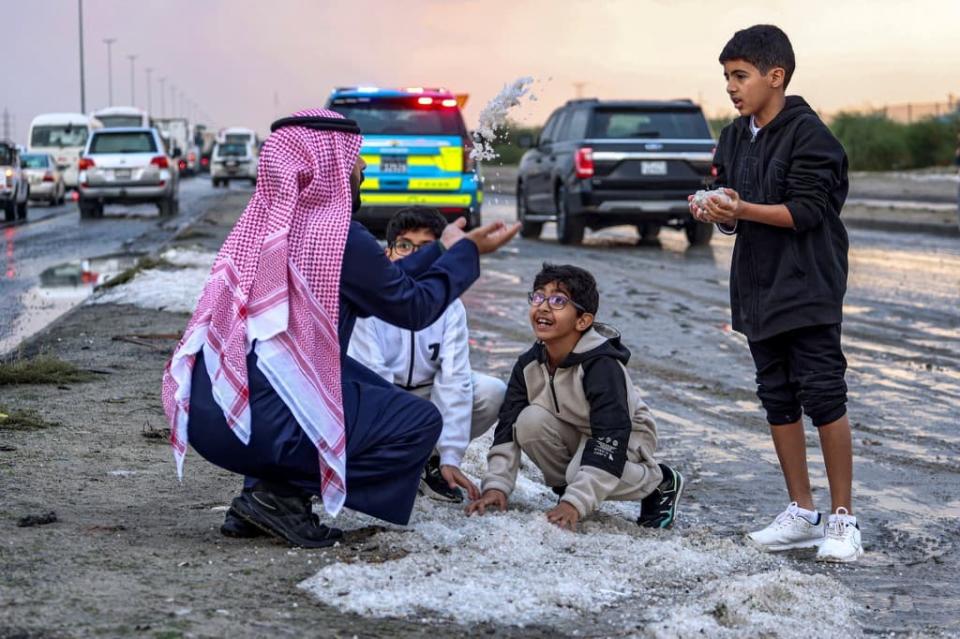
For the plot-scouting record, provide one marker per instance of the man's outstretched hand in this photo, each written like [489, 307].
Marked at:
[488, 237]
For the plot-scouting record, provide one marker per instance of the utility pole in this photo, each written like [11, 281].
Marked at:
[578, 88]
[163, 105]
[149, 70]
[6, 124]
[109, 42]
[173, 101]
[83, 87]
[133, 93]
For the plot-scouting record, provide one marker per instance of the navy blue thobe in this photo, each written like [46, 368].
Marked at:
[389, 433]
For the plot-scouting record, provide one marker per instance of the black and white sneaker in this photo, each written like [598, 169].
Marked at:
[434, 486]
[659, 508]
[236, 526]
[289, 518]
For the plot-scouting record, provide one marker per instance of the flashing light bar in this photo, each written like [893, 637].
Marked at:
[424, 100]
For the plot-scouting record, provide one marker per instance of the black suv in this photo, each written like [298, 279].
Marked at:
[606, 163]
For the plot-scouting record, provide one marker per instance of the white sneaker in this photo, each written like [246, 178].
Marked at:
[842, 544]
[789, 530]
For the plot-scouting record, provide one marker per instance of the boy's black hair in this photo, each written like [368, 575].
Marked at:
[765, 47]
[579, 283]
[415, 217]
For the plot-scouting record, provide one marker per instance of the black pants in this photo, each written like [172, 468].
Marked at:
[802, 371]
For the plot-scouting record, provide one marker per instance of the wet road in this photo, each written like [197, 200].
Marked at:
[51, 262]
[902, 340]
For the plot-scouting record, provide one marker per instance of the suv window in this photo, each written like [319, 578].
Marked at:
[626, 123]
[126, 142]
[401, 116]
[548, 134]
[6, 155]
[35, 161]
[563, 128]
[226, 149]
[577, 126]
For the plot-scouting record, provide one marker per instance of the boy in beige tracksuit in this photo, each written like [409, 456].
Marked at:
[572, 408]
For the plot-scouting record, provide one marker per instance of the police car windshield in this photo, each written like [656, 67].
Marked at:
[639, 124]
[401, 116]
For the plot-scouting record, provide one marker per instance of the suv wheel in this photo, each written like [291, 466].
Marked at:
[570, 228]
[529, 230]
[648, 233]
[10, 211]
[698, 233]
[22, 209]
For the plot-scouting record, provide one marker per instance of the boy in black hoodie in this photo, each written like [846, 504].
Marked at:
[571, 407]
[786, 182]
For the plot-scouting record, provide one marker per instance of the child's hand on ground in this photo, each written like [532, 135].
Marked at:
[454, 477]
[722, 212]
[491, 497]
[564, 515]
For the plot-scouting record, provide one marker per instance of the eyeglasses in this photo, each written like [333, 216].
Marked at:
[556, 301]
[406, 247]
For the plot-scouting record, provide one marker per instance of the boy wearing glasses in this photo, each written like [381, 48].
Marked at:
[572, 408]
[433, 363]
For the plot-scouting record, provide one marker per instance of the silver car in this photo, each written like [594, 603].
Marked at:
[233, 161]
[127, 165]
[45, 178]
[14, 189]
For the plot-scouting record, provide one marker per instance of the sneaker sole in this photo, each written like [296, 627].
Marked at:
[430, 493]
[799, 545]
[251, 517]
[842, 560]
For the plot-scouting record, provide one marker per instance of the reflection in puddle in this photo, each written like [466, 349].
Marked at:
[61, 288]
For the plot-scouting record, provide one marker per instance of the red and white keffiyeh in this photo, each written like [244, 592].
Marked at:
[276, 281]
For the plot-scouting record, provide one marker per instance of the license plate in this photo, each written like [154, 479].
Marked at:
[122, 174]
[393, 164]
[658, 167]
[232, 164]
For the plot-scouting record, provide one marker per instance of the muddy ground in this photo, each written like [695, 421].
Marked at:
[135, 553]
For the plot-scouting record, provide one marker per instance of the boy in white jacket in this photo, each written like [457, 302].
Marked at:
[433, 363]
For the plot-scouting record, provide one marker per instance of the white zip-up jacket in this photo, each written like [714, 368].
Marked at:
[438, 355]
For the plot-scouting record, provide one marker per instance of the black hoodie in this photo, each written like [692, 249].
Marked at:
[590, 391]
[782, 279]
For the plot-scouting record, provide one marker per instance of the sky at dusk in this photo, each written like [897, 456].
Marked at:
[245, 62]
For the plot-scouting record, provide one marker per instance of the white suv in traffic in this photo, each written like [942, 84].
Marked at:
[233, 161]
[127, 165]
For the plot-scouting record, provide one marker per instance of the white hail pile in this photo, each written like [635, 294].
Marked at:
[515, 568]
[493, 117]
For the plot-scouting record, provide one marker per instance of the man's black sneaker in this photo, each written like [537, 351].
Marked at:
[434, 486]
[659, 508]
[288, 518]
[236, 526]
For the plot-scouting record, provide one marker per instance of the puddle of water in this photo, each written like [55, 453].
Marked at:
[61, 288]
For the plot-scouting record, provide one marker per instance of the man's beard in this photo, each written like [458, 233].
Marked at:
[355, 195]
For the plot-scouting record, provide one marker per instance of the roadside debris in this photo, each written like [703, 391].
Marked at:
[37, 520]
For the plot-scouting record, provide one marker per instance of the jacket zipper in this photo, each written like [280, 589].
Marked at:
[553, 392]
[412, 357]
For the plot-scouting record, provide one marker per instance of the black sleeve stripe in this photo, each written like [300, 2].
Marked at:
[515, 400]
[605, 386]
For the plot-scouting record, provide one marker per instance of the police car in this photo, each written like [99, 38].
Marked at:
[417, 151]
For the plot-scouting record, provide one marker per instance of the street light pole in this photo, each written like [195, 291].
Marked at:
[133, 93]
[83, 87]
[173, 101]
[149, 70]
[109, 42]
[163, 104]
